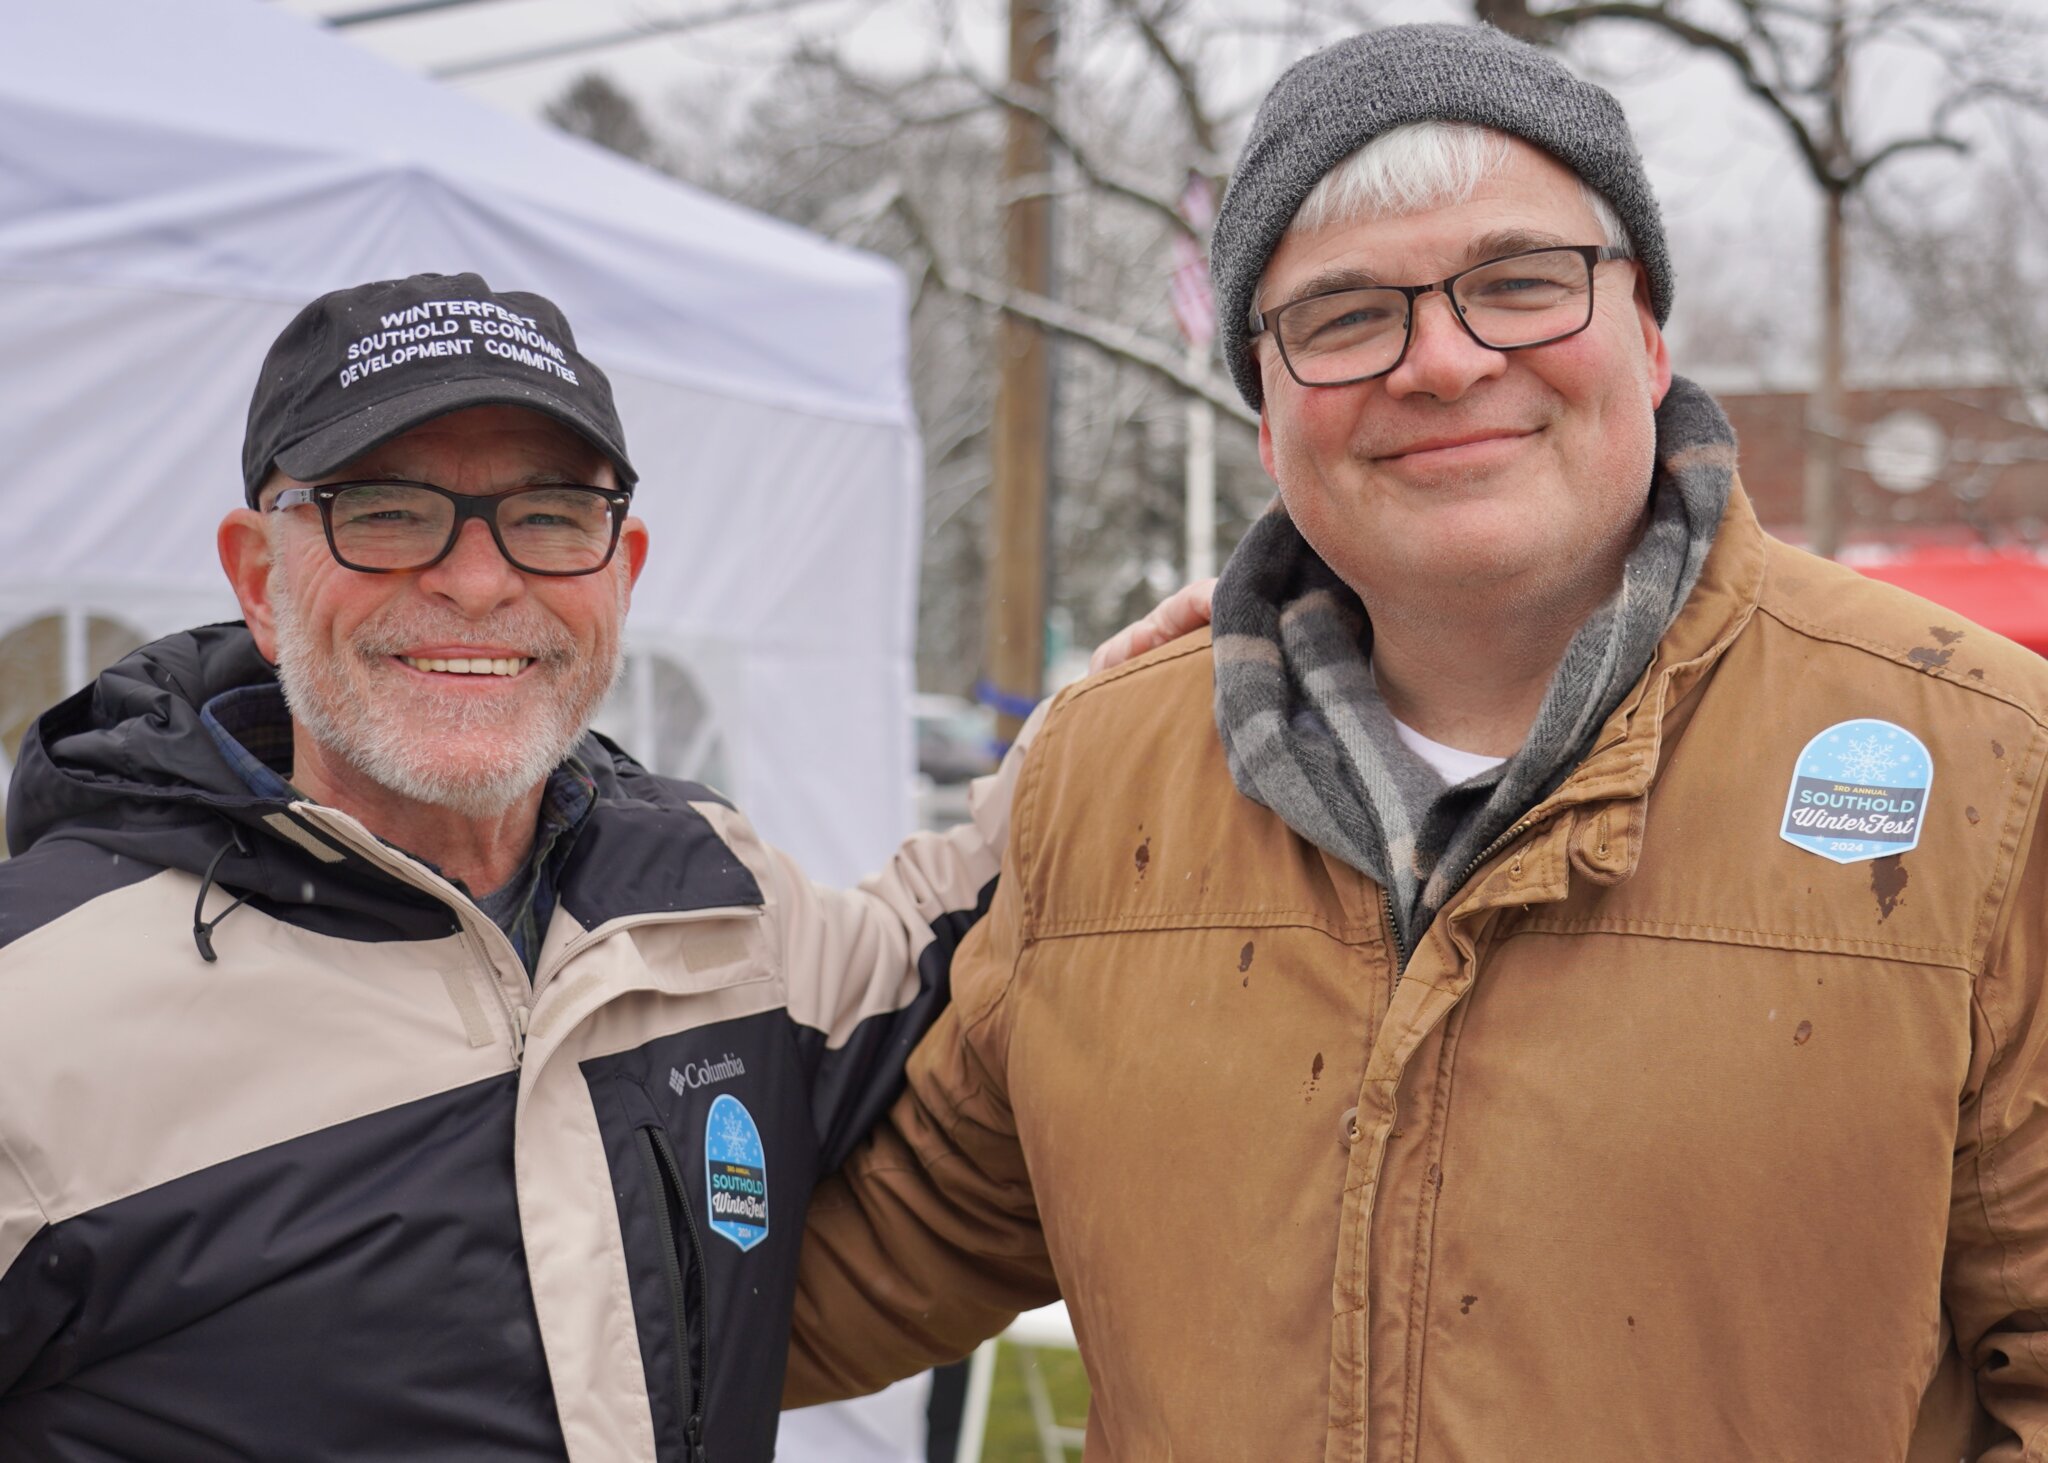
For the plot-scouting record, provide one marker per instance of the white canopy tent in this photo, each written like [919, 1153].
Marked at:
[178, 177]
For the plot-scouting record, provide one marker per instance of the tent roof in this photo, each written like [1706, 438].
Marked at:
[183, 145]
[178, 177]
[2005, 593]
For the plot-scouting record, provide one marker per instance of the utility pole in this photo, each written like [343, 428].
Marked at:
[1022, 438]
[1194, 307]
[1201, 474]
[1824, 416]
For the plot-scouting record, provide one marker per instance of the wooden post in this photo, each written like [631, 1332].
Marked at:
[1201, 474]
[1022, 439]
[1824, 418]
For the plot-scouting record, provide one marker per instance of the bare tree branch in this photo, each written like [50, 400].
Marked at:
[989, 94]
[1201, 128]
[1829, 156]
[400, 11]
[1108, 336]
[1890, 150]
[1102, 178]
[647, 30]
[1660, 17]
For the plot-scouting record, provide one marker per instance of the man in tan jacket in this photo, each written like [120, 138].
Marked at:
[1559, 976]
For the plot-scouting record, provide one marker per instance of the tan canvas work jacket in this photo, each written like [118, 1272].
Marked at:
[1674, 1141]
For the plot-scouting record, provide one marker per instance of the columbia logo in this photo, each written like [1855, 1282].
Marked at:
[692, 1075]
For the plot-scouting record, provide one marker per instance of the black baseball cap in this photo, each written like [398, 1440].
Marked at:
[359, 366]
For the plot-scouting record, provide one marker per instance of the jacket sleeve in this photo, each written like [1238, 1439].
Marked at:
[927, 1241]
[33, 1303]
[869, 969]
[1996, 1280]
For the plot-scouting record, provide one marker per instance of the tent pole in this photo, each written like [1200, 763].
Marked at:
[77, 661]
[644, 744]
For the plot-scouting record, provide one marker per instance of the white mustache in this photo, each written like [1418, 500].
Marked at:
[397, 634]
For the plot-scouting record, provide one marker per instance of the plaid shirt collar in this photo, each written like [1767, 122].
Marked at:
[523, 907]
[252, 727]
[253, 731]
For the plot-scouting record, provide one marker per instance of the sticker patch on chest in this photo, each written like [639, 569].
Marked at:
[735, 1173]
[1859, 791]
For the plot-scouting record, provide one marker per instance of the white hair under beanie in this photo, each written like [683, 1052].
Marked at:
[1328, 105]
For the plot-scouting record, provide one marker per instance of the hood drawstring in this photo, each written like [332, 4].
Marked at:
[202, 927]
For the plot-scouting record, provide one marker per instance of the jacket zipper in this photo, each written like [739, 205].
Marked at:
[693, 1364]
[1394, 939]
[518, 1014]
[409, 871]
[1493, 848]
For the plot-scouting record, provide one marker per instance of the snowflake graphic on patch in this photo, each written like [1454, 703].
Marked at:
[1869, 759]
[737, 1136]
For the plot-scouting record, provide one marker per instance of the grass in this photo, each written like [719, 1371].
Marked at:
[1011, 1437]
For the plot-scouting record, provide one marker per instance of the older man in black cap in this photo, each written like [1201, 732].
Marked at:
[1560, 977]
[389, 1066]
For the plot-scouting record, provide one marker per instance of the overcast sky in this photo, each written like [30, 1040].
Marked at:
[1724, 171]
[1712, 150]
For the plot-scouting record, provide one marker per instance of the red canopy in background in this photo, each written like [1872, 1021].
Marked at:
[2006, 592]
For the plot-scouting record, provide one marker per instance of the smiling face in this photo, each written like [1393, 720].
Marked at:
[1508, 478]
[462, 685]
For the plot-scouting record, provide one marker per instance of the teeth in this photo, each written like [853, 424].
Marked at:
[475, 665]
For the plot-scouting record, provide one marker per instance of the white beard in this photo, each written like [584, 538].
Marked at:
[457, 752]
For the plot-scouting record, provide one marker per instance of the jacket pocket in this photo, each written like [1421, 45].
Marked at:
[682, 1251]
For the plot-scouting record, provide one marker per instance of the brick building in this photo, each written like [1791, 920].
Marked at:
[1956, 462]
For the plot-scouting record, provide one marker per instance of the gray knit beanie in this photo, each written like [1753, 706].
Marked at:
[1330, 104]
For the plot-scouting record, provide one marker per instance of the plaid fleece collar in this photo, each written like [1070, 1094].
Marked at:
[1306, 734]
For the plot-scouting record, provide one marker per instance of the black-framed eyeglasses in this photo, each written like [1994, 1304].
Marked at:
[1519, 300]
[397, 527]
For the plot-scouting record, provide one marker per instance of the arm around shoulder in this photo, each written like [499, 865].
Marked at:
[928, 1242]
[869, 969]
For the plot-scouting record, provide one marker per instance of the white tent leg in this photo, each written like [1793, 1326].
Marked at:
[1050, 1446]
[641, 668]
[981, 1381]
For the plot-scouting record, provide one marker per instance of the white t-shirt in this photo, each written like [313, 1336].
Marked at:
[1452, 765]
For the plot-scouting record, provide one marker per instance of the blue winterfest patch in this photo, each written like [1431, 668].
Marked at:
[735, 1174]
[1859, 791]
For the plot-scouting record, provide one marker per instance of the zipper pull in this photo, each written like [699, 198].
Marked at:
[695, 1433]
[520, 1016]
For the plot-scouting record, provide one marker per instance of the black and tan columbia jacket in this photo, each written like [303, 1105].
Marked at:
[357, 1188]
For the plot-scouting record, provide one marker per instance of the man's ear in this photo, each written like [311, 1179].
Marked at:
[1266, 360]
[1653, 342]
[244, 545]
[633, 544]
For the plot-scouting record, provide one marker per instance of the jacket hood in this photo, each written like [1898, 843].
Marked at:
[130, 748]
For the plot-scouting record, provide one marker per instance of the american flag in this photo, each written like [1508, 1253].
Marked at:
[1194, 304]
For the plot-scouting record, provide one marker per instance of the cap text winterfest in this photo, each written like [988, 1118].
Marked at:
[437, 328]
[1848, 810]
